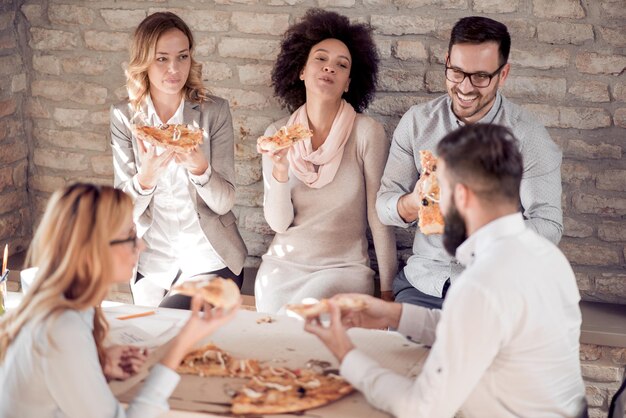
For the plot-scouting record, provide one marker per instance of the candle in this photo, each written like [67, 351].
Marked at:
[4, 259]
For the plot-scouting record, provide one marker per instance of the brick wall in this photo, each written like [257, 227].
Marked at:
[61, 67]
[603, 371]
[15, 213]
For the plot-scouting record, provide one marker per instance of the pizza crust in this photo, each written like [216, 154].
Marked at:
[285, 137]
[219, 292]
[345, 303]
[179, 138]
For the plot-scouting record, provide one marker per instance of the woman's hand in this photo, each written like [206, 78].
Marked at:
[280, 162]
[152, 165]
[194, 161]
[123, 361]
[199, 326]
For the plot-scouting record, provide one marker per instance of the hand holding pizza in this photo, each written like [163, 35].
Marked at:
[123, 361]
[152, 164]
[199, 326]
[334, 336]
[377, 314]
[194, 161]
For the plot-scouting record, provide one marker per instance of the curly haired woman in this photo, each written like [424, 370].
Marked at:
[320, 194]
[183, 201]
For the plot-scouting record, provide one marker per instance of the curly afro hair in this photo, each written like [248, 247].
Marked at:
[317, 25]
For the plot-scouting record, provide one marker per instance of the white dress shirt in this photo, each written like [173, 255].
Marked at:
[61, 377]
[505, 343]
[175, 239]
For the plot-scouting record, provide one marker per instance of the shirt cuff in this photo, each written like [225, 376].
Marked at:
[202, 179]
[138, 188]
[161, 382]
[392, 212]
[354, 367]
[412, 322]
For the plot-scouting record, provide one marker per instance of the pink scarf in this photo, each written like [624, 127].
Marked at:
[318, 168]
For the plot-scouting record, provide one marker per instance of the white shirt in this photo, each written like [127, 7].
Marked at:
[505, 343]
[175, 239]
[63, 378]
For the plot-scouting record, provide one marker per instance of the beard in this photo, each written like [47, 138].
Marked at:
[454, 230]
[481, 105]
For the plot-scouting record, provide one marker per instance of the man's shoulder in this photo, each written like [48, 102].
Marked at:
[429, 107]
[519, 118]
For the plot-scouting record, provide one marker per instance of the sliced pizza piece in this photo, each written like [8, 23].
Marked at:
[219, 292]
[284, 138]
[430, 219]
[278, 391]
[180, 138]
[210, 360]
[346, 304]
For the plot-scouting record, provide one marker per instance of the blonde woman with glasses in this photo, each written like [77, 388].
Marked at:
[53, 362]
[183, 201]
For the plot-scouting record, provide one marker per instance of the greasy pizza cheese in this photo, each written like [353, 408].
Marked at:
[180, 138]
[430, 219]
[284, 138]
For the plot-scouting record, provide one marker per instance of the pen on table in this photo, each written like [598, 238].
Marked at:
[137, 315]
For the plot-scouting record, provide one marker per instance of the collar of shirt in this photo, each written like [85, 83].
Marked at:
[502, 227]
[488, 118]
[153, 117]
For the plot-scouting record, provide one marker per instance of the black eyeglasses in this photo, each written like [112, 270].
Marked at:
[132, 239]
[479, 79]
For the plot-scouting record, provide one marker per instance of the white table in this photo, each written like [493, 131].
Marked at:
[282, 342]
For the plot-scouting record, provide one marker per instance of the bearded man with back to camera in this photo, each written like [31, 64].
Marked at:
[506, 342]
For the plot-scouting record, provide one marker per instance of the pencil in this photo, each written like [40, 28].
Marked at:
[137, 315]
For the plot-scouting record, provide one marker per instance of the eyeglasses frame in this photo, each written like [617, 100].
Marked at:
[469, 75]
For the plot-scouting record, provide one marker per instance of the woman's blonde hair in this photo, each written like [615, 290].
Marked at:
[71, 248]
[143, 53]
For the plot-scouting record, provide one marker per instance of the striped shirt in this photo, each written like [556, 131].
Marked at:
[421, 128]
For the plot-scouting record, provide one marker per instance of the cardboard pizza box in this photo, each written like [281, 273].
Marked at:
[281, 342]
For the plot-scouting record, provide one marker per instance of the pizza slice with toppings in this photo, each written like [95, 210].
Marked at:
[284, 138]
[179, 138]
[219, 292]
[280, 390]
[210, 360]
[346, 303]
[430, 219]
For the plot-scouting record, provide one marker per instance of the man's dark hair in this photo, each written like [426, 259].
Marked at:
[314, 27]
[485, 158]
[478, 30]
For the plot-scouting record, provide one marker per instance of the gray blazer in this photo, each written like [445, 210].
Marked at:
[214, 200]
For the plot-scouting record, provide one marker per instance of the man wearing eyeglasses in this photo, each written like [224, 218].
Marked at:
[476, 68]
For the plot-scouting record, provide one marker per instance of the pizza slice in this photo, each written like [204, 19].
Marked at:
[284, 138]
[345, 302]
[430, 219]
[179, 138]
[280, 390]
[219, 292]
[210, 360]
